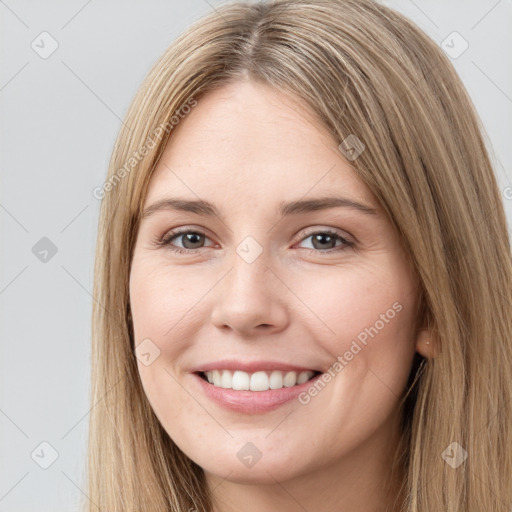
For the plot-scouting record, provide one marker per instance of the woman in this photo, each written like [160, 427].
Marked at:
[235, 367]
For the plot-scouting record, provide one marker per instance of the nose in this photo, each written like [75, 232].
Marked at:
[250, 299]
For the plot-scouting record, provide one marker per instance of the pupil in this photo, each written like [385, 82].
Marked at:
[321, 236]
[187, 238]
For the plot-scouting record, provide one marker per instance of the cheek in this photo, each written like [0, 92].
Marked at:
[371, 315]
[164, 303]
[364, 317]
[168, 309]
[355, 303]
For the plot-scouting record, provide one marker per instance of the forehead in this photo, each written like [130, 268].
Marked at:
[248, 142]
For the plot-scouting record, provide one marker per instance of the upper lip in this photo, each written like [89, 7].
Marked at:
[250, 366]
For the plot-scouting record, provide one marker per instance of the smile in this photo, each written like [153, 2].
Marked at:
[257, 381]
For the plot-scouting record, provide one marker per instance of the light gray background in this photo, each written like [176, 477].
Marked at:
[59, 119]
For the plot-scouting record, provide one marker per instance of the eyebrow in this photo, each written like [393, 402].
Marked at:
[206, 209]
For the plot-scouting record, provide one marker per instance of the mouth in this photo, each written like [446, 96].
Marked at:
[239, 380]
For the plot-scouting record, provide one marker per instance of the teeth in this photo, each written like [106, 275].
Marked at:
[290, 379]
[276, 380]
[240, 381]
[258, 381]
[226, 380]
[303, 377]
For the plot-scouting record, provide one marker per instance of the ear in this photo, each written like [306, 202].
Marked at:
[426, 343]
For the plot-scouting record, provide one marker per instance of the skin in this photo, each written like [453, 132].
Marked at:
[245, 148]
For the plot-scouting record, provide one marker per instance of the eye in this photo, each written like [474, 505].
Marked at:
[325, 241]
[192, 240]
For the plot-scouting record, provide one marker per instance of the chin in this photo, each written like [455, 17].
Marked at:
[263, 472]
[245, 462]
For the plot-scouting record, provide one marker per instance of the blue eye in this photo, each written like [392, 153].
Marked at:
[195, 237]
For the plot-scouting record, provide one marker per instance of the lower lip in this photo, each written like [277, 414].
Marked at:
[252, 402]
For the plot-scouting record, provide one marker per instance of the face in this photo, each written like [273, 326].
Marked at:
[260, 293]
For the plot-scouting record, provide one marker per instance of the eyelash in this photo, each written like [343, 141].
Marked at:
[166, 241]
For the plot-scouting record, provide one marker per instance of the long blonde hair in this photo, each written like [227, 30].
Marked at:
[367, 71]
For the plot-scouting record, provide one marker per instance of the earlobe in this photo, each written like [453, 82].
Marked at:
[426, 345]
